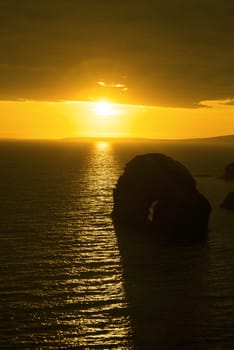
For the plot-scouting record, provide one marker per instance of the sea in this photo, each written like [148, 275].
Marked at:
[66, 282]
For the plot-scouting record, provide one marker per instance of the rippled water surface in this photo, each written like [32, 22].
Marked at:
[67, 282]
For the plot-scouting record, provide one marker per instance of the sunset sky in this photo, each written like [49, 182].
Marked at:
[167, 67]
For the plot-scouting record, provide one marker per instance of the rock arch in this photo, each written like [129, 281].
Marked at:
[181, 213]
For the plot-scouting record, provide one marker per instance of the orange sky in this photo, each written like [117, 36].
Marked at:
[173, 54]
[29, 119]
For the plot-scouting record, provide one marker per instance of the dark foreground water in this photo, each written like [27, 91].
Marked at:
[65, 280]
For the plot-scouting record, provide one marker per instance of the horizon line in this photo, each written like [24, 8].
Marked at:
[114, 138]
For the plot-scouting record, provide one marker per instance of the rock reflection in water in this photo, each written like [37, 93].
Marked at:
[167, 292]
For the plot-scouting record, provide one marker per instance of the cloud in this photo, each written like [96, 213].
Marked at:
[119, 86]
[174, 53]
[223, 104]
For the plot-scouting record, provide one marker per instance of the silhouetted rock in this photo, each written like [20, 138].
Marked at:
[228, 202]
[158, 184]
[229, 172]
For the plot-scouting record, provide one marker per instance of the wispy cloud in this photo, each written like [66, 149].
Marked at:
[120, 86]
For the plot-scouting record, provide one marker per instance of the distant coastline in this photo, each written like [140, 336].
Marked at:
[224, 139]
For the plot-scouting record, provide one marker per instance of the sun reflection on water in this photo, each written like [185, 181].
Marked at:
[97, 278]
[102, 145]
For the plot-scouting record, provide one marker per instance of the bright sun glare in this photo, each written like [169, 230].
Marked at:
[104, 109]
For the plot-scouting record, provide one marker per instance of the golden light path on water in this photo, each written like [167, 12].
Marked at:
[103, 317]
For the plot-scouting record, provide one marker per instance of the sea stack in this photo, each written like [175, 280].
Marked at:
[229, 172]
[158, 194]
[228, 202]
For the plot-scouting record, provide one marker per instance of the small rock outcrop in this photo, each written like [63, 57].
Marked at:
[158, 193]
[228, 202]
[229, 172]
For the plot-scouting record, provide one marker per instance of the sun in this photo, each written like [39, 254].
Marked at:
[104, 109]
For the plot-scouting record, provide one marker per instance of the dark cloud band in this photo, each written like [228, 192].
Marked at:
[172, 53]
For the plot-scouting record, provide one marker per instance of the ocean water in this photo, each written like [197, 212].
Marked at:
[67, 282]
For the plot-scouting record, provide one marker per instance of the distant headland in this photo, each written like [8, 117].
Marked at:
[225, 139]
[216, 139]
